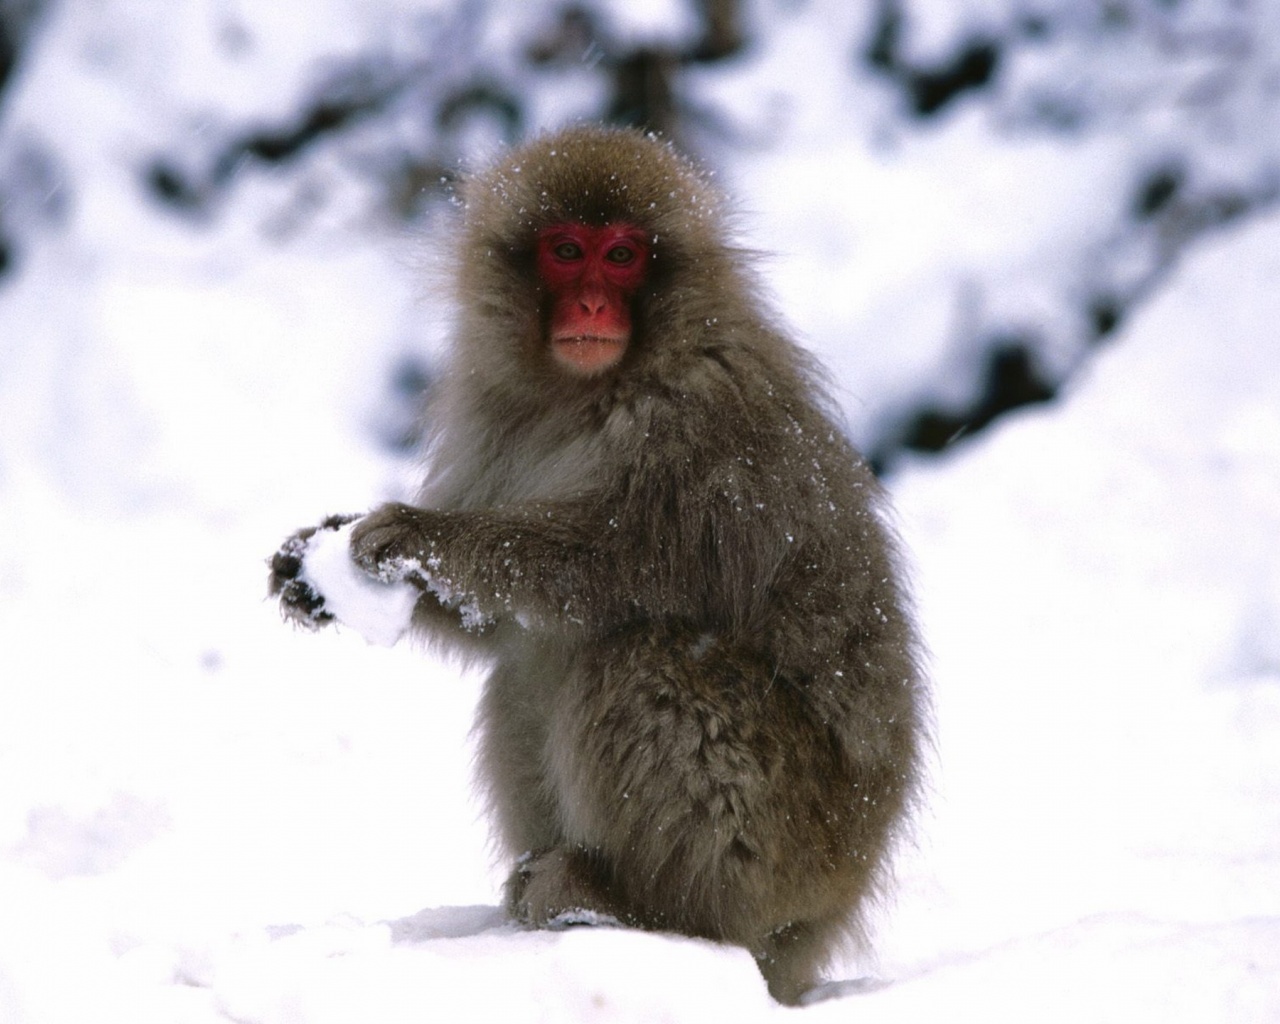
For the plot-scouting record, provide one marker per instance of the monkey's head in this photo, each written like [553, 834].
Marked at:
[575, 248]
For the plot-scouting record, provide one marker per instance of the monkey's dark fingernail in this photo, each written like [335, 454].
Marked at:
[286, 565]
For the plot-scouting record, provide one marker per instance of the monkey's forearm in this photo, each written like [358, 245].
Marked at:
[528, 563]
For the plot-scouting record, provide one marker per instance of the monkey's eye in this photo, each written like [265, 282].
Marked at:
[620, 254]
[568, 251]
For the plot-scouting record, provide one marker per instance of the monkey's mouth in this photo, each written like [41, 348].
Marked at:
[588, 353]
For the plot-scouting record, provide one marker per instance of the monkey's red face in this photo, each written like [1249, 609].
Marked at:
[591, 275]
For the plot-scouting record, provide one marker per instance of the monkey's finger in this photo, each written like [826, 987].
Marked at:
[286, 563]
[303, 604]
[337, 521]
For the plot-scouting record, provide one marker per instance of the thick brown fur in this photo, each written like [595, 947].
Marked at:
[705, 712]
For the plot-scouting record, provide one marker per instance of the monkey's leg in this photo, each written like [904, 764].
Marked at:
[511, 760]
[709, 798]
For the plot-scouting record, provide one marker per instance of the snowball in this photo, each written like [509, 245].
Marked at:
[379, 612]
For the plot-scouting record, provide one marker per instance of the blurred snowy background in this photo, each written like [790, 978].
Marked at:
[1038, 244]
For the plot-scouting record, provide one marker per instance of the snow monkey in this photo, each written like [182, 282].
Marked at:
[705, 713]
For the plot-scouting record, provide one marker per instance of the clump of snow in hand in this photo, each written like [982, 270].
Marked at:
[380, 612]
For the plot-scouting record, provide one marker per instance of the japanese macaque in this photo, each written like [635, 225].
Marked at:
[705, 713]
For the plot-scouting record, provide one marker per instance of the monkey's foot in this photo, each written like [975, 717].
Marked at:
[558, 888]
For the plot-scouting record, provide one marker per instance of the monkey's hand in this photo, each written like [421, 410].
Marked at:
[402, 545]
[394, 543]
[300, 602]
[318, 583]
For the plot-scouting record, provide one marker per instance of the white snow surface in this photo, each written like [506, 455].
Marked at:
[380, 612]
[206, 816]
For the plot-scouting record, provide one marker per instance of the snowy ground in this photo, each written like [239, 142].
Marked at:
[206, 816]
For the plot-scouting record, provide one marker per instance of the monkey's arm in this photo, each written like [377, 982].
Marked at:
[532, 563]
